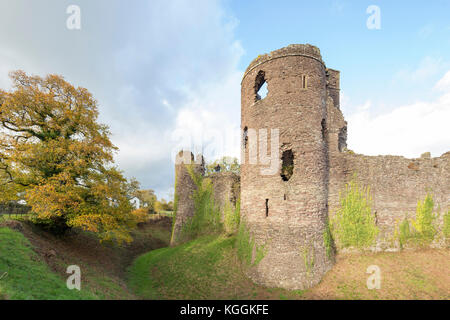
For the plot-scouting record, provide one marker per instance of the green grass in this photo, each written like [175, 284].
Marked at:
[29, 278]
[204, 268]
[183, 271]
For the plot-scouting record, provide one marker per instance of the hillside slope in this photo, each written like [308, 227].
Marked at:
[36, 261]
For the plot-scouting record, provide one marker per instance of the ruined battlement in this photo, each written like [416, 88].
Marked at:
[305, 50]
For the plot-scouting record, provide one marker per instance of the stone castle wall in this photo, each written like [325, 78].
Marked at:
[286, 212]
[396, 183]
[184, 190]
[287, 215]
[226, 188]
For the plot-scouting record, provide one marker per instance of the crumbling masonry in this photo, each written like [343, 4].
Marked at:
[287, 212]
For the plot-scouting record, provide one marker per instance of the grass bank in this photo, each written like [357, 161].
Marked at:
[208, 268]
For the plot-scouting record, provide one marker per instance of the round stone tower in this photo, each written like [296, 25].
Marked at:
[286, 211]
[185, 164]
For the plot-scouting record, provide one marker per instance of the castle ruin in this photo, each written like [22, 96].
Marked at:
[287, 212]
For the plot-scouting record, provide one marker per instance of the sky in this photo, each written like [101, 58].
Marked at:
[166, 74]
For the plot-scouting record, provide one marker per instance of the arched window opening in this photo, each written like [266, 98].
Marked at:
[287, 166]
[261, 90]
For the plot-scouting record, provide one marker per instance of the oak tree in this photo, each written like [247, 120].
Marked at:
[59, 159]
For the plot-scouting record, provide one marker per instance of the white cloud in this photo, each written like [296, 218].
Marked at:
[444, 83]
[407, 130]
[154, 67]
[427, 68]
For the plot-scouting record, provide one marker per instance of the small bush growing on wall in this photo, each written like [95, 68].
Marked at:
[422, 230]
[403, 233]
[354, 223]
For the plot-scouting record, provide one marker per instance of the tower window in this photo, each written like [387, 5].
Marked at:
[324, 129]
[267, 208]
[287, 166]
[261, 90]
[245, 137]
[304, 82]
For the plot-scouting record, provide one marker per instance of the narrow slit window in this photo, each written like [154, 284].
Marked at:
[324, 129]
[267, 208]
[245, 137]
[304, 82]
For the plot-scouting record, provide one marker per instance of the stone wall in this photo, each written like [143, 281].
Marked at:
[396, 184]
[226, 187]
[184, 190]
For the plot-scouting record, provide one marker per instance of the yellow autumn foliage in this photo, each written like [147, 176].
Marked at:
[59, 159]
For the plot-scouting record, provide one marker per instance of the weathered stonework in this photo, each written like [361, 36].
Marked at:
[288, 217]
[226, 187]
[286, 212]
[184, 190]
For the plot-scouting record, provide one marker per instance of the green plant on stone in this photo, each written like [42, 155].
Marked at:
[328, 240]
[231, 217]
[404, 233]
[308, 253]
[421, 230]
[446, 228]
[354, 223]
[206, 218]
[425, 231]
[246, 244]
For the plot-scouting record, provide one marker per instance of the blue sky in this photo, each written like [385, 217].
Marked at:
[167, 74]
[370, 60]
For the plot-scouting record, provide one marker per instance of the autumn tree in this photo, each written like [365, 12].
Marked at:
[147, 198]
[59, 159]
[224, 164]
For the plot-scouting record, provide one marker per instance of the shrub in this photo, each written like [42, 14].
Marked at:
[404, 233]
[354, 223]
[425, 231]
[421, 230]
